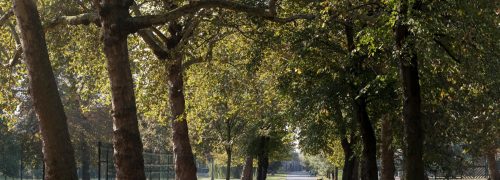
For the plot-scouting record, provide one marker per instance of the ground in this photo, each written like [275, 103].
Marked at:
[289, 176]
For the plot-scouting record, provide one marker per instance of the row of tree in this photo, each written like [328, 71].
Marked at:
[246, 74]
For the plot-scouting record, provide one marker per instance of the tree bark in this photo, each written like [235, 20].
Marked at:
[129, 163]
[263, 163]
[57, 149]
[387, 152]
[492, 164]
[248, 168]
[348, 172]
[369, 169]
[185, 168]
[408, 67]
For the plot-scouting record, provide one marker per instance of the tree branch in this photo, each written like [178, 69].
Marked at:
[446, 49]
[6, 16]
[141, 22]
[81, 19]
[150, 39]
[17, 55]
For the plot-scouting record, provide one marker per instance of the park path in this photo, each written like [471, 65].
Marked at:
[301, 175]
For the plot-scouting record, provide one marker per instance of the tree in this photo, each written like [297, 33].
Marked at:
[58, 151]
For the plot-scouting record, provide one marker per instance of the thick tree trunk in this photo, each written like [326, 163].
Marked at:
[492, 164]
[129, 163]
[57, 149]
[368, 161]
[348, 172]
[185, 168]
[263, 157]
[387, 152]
[408, 66]
[247, 169]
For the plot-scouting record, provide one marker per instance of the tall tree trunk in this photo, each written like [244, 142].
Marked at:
[247, 169]
[263, 157]
[348, 172]
[57, 149]
[129, 163]
[335, 175]
[408, 66]
[228, 149]
[368, 161]
[369, 157]
[387, 152]
[228, 165]
[492, 164]
[185, 168]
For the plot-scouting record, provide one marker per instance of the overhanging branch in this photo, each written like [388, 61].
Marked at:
[141, 22]
[81, 19]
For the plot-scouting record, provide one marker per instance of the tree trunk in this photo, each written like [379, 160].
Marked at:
[85, 157]
[492, 164]
[348, 172]
[228, 149]
[57, 149]
[185, 168]
[228, 165]
[263, 163]
[369, 169]
[369, 157]
[408, 66]
[247, 169]
[335, 176]
[129, 163]
[387, 152]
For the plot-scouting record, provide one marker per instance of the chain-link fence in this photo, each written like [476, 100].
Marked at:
[157, 166]
[18, 166]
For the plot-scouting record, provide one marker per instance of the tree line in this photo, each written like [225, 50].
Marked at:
[354, 81]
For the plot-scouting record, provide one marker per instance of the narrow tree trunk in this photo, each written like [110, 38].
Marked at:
[129, 163]
[263, 163]
[492, 164]
[57, 149]
[368, 161]
[185, 168]
[387, 152]
[85, 157]
[348, 172]
[228, 165]
[369, 157]
[247, 169]
[408, 66]
[336, 175]
[228, 150]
